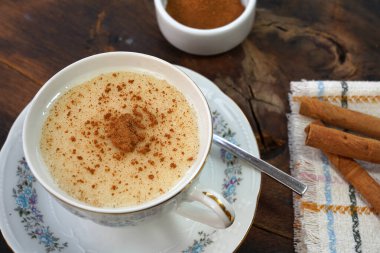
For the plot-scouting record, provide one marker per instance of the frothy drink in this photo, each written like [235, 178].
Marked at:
[120, 139]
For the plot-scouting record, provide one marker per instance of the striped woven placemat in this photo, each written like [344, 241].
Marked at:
[332, 216]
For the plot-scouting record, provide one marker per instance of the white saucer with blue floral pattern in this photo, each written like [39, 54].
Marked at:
[32, 221]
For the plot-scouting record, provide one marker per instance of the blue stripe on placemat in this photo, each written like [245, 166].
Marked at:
[327, 188]
[329, 213]
[321, 89]
[351, 189]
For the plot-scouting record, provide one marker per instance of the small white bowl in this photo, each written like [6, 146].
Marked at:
[205, 41]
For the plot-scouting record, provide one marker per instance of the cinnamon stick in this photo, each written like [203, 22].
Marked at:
[358, 177]
[341, 143]
[340, 117]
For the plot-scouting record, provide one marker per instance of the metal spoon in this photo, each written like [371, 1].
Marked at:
[287, 180]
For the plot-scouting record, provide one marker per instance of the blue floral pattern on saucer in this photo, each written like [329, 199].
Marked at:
[200, 244]
[27, 207]
[231, 180]
[233, 171]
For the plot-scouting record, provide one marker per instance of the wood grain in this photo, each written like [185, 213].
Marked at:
[291, 40]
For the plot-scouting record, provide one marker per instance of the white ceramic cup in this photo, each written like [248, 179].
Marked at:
[205, 41]
[218, 212]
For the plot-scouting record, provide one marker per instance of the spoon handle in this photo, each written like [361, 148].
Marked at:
[287, 180]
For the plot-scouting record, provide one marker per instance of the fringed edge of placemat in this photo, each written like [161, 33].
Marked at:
[297, 151]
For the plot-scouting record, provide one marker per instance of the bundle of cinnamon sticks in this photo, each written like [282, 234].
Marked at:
[341, 147]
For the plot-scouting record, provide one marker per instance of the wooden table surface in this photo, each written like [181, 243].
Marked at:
[291, 40]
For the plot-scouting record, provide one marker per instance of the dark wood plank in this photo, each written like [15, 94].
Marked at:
[16, 91]
[4, 247]
[260, 240]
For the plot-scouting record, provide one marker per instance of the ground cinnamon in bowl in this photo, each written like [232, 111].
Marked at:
[204, 14]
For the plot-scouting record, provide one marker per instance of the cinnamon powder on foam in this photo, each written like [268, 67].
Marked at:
[120, 139]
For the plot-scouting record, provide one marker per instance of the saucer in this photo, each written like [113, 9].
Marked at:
[32, 221]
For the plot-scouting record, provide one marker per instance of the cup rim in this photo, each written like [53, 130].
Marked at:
[206, 32]
[109, 210]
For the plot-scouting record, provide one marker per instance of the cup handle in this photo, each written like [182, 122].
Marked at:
[218, 213]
